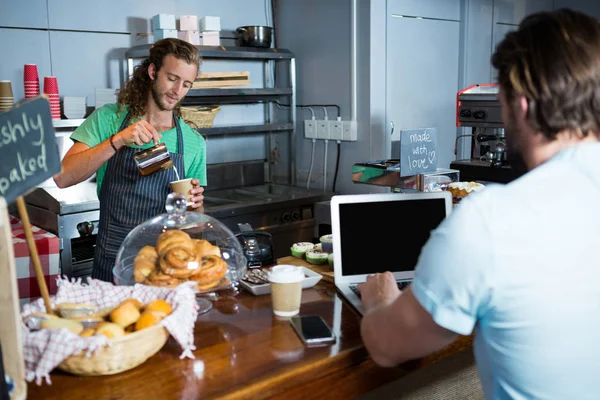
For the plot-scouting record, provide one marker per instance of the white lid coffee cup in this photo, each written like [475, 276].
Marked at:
[286, 274]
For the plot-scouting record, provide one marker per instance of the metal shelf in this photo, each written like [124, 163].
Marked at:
[253, 53]
[244, 129]
[234, 96]
[67, 123]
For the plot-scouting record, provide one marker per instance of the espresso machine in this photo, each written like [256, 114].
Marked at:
[478, 108]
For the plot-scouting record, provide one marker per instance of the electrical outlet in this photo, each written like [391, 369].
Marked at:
[335, 130]
[310, 129]
[349, 131]
[322, 129]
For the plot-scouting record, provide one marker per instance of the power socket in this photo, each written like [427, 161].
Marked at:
[322, 129]
[310, 129]
[336, 129]
[349, 131]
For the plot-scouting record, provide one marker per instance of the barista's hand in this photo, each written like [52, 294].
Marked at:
[140, 133]
[197, 197]
[379, 290]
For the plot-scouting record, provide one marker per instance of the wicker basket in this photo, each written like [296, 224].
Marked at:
[202, 117]
[125, 353]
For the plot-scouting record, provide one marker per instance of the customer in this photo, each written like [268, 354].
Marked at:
[518, 263]
[147, 112]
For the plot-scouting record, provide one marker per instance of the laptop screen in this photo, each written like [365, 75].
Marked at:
[386, 235]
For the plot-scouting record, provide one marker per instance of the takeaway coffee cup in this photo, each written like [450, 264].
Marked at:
[286, 289]
[183, 186]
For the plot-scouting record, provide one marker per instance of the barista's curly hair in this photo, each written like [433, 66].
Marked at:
[553, 60]
[135, 93]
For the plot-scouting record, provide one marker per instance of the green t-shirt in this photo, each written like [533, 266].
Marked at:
[106, 121]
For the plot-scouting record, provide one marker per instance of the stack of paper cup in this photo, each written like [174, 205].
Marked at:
[6, 96]
[31, 81]
[105, 96]
[74, 107]
[51, 90]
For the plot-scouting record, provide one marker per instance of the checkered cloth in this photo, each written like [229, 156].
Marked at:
[48, 249]
[46, 348]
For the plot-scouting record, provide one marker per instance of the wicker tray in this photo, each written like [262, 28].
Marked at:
[125, 353]
[202, 117]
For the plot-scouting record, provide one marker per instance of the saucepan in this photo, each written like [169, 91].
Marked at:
[254, 36]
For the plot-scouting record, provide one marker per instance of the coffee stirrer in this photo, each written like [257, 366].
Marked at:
[39, 274]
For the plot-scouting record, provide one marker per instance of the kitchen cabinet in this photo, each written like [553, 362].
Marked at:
[265, 95]
[422, 62]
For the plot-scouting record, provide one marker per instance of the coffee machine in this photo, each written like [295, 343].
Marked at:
[478, 108]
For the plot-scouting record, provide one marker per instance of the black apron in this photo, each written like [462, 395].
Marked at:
[127, 199]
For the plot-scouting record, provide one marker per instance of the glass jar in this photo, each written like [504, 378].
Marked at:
[204, 251]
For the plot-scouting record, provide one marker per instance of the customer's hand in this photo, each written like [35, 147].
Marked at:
[379, 290]
[140, 133]
[197, 197]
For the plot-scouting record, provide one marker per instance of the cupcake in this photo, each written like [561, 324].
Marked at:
[299, 249]
[327, 243]
[316, 256]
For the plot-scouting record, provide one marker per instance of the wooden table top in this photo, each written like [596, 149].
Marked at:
[244, 352]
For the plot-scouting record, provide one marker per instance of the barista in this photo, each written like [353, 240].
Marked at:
[147, 112]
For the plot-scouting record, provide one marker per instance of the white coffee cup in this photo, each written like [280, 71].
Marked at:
[286, 289]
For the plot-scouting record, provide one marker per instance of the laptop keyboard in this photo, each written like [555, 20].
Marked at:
[401, 285]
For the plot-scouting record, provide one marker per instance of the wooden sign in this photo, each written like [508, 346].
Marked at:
[418, 151]
[10, 318]
[28, 147]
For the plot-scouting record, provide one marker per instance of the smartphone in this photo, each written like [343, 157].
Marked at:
[312, 330]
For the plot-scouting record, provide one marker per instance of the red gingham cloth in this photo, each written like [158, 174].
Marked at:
[46, 348]
[48, 249]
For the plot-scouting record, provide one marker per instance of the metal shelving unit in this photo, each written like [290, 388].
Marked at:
[266, 95]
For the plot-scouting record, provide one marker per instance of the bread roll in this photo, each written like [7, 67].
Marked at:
[125, 314]
[147, 319]
[159, 307]
[88, 332]
[138, 304]
[58, 323]
[173, 238]
[110, 330]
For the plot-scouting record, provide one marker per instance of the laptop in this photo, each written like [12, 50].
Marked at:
[381, 232]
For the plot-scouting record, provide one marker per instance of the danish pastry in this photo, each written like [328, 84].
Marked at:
[158, 278]
[179, 262]
[205, 248]
[210, 272]
[144, 263]
[173, 238]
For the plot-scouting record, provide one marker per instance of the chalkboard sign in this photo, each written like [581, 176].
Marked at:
[29, 154]
[418, 151]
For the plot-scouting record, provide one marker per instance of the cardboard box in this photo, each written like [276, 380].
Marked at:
[188, 23]
[210, 24]
[160, 34]
[211, 39]
[192, 37]
[164, 21]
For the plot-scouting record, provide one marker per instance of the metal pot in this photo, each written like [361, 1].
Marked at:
[254, 36]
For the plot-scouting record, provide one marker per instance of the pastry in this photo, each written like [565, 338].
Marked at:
[299, 249]
[316, 256]
[159, 307]
[58, 323]
[147, 319]
[158, 278]
[179, 262]
[138, 304]
[460, 190]
[210, 272]
[144, 263]
[110, 330]
[205, 248]
[173, 238]
[87, 332]
[125, 314]
[71, 310]
[223, 282]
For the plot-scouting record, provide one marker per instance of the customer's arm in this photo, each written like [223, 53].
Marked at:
[82, 161]
[451, 291]
[402, 330]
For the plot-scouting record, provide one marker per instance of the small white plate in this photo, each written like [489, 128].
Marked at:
[312, 278]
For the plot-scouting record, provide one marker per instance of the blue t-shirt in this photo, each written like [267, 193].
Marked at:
[520, 265]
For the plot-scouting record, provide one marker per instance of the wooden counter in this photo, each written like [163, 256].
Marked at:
[243, 352]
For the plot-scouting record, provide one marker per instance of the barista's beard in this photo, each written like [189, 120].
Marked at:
[514, 152]
[158, 98]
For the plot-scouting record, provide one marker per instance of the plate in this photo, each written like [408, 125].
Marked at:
[258, 290]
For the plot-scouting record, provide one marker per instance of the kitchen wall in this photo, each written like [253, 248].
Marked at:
[319, 34]
[83, 43]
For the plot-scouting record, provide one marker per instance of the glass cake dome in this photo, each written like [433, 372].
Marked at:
[181, 246]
